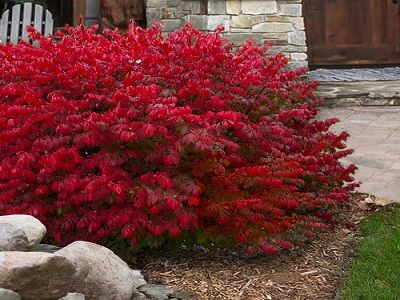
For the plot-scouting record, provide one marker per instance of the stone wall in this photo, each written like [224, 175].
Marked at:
[279, 21]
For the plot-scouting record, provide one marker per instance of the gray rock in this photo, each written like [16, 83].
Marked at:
[101, 275]
[33, 228]
[12, 238]
[255, 7]
[73, 296]
[156, 291]
[138, 296]
[9, 295]
[182, 294]
[138, 279]
[36, 275]
[46, 248]
[297, 38]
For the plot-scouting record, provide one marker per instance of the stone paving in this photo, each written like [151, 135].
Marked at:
[359, 74]
[363, 93]
[363, 86]
[375, 136]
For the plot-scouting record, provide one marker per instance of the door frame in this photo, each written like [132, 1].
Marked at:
[79, 10]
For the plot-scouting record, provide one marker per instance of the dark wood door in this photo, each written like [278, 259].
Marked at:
[352, 32]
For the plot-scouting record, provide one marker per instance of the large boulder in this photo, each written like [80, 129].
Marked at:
[33, 228]
[101, 275]
[12, 238]
[36, 275]
[9, 295]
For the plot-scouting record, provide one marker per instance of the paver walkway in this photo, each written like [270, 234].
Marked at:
[364, 93]
[375, 136]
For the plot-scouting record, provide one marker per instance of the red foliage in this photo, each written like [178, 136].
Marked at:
[139, 135]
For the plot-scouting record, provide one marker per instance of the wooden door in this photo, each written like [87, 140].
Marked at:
[352, 32]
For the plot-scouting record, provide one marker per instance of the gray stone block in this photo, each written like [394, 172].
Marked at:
[297, 64]
[216, 7]
[272, 27]
[156, 3]
[276, 35]
[288, 9]
[173, 3]
[297, 38]
[198, 21]
[298, 56]
[245, 21]
[279, 43]
[153, 15]
[194, 6]
[239, 38]
[292, 48]
[214, 21]
[297, 22]
[172, 24]
[233, 30]
[258, 7]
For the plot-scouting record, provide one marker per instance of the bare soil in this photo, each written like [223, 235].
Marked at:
[314, 271]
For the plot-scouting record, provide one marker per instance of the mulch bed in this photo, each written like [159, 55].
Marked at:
[314, 271]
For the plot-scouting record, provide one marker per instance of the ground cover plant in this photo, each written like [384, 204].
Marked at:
[138, 138]
[375, 271]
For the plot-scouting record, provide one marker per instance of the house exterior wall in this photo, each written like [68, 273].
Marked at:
[278, 21]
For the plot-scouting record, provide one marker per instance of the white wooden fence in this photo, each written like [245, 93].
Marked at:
[13, 25]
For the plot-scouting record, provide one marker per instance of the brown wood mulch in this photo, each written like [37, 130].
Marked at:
[312, 272]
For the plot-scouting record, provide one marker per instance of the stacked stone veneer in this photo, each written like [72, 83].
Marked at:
[279, 21]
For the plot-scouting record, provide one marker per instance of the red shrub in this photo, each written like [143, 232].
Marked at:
[137, 135]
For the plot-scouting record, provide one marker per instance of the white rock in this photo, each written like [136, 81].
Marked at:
[73, 296]
[101, 275]
[298, 56]
[36, 275]
[259, 7]
[12, 238]
[33, 228]
[9, 295]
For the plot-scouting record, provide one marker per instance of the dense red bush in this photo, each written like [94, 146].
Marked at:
[145, 137]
